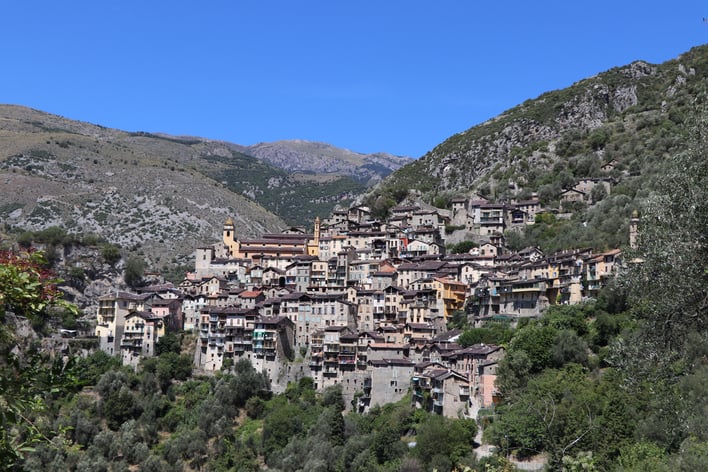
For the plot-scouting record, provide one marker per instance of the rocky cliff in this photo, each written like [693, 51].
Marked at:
[635, 115]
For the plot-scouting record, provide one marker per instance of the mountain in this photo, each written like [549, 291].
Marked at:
[299, 180]
[168, 193]
[151, 193]
[635, 114]
[322, 158]
[632, 118]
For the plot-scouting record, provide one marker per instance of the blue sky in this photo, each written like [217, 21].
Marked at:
[369, 76]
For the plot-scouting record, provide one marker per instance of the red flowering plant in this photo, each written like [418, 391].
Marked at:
[27, 287]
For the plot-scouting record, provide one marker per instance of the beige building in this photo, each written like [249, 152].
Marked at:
[110, 320]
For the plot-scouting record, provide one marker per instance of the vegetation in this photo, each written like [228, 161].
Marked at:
[27, 292]
[462, 247]
[638, 139]
[574, 382]
[134, 271]
[616, 383]
[298, 198]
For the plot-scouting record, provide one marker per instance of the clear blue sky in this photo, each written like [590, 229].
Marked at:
[393, 76]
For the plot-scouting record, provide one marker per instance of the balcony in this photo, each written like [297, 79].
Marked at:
[139, 331]
[331, 348]
[346, 360]
[127, 343]
[464, 391]
[423, 383]
[438, 403]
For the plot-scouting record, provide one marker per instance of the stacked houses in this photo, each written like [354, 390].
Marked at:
[361, 303]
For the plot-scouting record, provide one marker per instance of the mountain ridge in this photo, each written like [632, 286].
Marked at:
[150, 192]
[634, 114]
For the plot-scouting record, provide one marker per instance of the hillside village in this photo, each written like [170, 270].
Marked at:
[362, 303]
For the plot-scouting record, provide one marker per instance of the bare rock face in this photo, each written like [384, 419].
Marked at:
[624, 97]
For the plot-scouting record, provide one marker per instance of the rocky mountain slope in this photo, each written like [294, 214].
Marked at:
[322, 158]
[134, 189]
[635, 115]
[164, 192]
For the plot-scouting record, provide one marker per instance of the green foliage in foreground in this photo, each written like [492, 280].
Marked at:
[232, 422]
[623, 391]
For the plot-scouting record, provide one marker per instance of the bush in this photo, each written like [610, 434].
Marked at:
[134, 270]
[110, 253]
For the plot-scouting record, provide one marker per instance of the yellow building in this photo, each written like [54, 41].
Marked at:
[451, 295]
[281, 245]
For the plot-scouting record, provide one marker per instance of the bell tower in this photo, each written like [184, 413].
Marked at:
[313, 246]
[229, 237]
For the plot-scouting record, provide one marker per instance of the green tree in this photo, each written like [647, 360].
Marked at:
[170, 342]
[27, 289]
[557, 413]
[110, 253]
[665, 282]
[462, 247]
[537, 342]
[441, 436]
[134, 271]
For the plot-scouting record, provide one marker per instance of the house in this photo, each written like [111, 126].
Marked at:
[141, 332]
[488, 250]
[224, 333]
[191, 306]
[609, 165]
[587, 185]
[573, 195]
[598, 269]
[390, 379]
[113, 309]
[531, 254]
[492, 218]
[442, 391]
[450, 295]
[169, 311]
[250, 298]
[459, 211]
[530, 208]
[282, 245]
